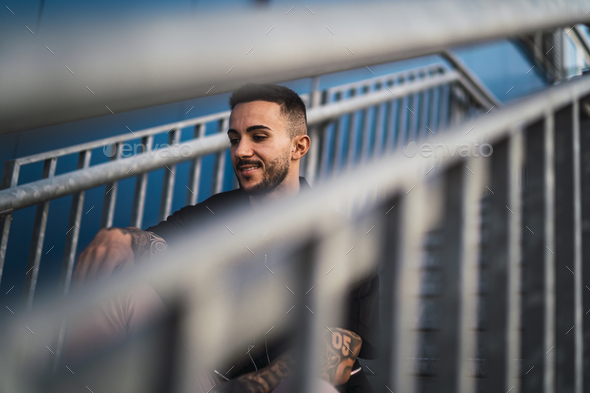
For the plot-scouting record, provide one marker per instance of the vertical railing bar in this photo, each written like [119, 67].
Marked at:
[312, 155]
[325, 161]
[414, 116]
[352, 136]
[434, 97]
[72, 237]
[436, 109]
[9, 179]
[366, 130]
[497, 270]
[37, 239]
[379, 131]
[304, 372]
[327, 136]
[549, 265]
[444, 106]
[406, 284]
[309, 163]
[578, 284]
[390, 126]
[513, 326]
[339, 143]
[169, 178]
[223, 126]
[474, 179]
[73, 229]
[402, 121]
[110, 197]
[195, 170]
[425, 112]
[140, 188]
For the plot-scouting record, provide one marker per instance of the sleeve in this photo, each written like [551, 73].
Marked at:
[362, 315]
[175, 225]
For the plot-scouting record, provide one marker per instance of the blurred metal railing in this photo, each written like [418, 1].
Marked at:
[434, 94]
[538, 195]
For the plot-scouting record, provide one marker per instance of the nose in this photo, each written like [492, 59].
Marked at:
[243, 149]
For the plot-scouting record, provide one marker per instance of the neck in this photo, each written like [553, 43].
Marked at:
[289, 187]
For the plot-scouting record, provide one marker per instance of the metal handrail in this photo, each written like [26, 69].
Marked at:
[42, 190]
[513, 127]
[123, 84]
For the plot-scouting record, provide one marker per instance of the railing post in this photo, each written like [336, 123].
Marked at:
[110, 196]
[195, 170]
[584, 150]
[464, 185]
[538, 339]
[9, 179]
[219, 167]
[140, 188]
[37, 239]
[169, 177]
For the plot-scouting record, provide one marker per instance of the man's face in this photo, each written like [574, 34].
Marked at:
[260, 146]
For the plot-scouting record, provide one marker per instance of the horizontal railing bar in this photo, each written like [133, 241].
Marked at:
[121, 138]
[436, 67]
[415, 30]
[329, 112]
[177, 125]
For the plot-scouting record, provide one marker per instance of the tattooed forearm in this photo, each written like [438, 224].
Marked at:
[339, 351]
[145, 243]
[263, 380]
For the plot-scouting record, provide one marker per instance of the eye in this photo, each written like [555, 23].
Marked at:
[234, 141]
[259, 138]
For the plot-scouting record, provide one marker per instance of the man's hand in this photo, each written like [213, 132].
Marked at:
[114, 248]
[339, 350]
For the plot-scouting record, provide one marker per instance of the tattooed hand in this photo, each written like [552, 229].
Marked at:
[263, 380]
[113, 248]
[340, 348]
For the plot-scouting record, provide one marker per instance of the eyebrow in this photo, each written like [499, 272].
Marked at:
[250, 129]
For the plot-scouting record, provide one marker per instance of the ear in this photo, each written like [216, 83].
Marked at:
[299, 146]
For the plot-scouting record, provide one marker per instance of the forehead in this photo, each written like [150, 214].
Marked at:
[265, 113]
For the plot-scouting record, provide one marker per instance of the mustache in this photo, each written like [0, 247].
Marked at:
[247, 162]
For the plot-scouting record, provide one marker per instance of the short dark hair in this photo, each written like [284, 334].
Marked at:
[292, 107]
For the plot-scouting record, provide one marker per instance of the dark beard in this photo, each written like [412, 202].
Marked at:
[274, 175]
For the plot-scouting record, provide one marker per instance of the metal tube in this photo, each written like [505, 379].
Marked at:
[9, 179]
[140, 188]
[514, 283]
[169, 177]
[564, 251]
[123, 86]
[110, 196]
[534, 271]
[195, 171]
[366, 134]
[339, 146]
[352, 137]
[37, 240]
[578, 263]
[378, 145]
[549, 257]
[220, 160]
[73, 229]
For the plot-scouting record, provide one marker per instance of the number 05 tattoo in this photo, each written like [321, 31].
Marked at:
[339, 351]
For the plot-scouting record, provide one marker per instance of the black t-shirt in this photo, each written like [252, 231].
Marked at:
[361, 314]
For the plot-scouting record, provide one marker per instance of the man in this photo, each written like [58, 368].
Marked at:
[268, 137]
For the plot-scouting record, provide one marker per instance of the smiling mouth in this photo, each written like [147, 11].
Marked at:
[248, 169]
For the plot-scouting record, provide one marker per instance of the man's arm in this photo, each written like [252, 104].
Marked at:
[113, 248]
[338, 352]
